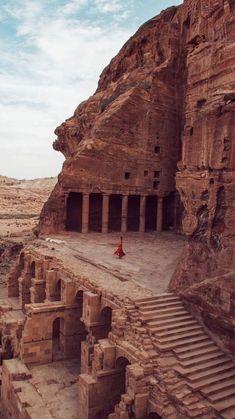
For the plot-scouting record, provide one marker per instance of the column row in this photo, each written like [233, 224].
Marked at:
[132, 213]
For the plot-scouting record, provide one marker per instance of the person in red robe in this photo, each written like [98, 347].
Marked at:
[119, 252]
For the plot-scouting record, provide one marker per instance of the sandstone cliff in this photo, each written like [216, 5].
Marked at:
[174, 82]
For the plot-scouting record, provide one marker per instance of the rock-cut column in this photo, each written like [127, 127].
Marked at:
[142, 214]
[105, 213]
[159, 214]
[124, 213]
[85, 212]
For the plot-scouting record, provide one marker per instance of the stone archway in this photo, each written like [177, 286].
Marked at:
[121, 364]
[106, 320]
[58, 338]
[58, 288]
[80, 331]
[27, 283]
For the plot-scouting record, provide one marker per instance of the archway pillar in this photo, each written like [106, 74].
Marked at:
[91, 309]
[142, 214]
[124, 213]
[159, 214]
[85, 212]
[105, 213]
[51, 278]
[37, 291]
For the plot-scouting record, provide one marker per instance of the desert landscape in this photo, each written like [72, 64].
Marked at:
[21, 202]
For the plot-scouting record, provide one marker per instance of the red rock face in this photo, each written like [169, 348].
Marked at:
[130, 125]
[206, 179]
[171, 86]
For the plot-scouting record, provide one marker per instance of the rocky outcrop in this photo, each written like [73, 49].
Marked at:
[206, 180]
[130, 125]
[170, 88]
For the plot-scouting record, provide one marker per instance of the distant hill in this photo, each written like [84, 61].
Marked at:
[24, 198]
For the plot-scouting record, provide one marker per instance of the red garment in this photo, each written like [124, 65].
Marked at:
[119, 252]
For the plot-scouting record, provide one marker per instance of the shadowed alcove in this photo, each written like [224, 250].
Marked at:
[151, 213]
[115, 212]
[95, 213]
[74, 212]
[133, 214]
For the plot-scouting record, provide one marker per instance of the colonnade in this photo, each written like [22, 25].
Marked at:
[124, 213]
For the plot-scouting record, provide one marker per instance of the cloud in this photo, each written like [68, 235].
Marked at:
[51, 56]
[108, 6]
[52, 66]
[72, 7]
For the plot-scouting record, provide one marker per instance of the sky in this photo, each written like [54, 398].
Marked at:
[52, 53]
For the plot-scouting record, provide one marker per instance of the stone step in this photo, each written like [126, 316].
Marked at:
[155, 316]
[215, 379]
[156, 311]
[177, 325]
[171, 321]
[218, 387]
[194, 347]
[202, 359]
[164, 295]
[229, 413]
[222, 395]
[177, 331]
[206, 367]
[225, 404]
[170, 300]
[211, 372]
[156, 306]
[193, 353]
[184, 342]
[177, 337]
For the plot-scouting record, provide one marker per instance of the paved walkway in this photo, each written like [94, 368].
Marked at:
[150, 258]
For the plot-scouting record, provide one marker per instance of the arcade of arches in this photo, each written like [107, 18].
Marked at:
[115, 212]
[63, 319]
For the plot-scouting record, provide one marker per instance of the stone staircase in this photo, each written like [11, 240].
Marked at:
[200, 361]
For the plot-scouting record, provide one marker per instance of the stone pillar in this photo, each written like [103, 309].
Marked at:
[142, 214]
[105, 213]
[124, 213]
[159, 214]
[85, 212]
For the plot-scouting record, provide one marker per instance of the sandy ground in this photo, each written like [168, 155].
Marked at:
[17, 228]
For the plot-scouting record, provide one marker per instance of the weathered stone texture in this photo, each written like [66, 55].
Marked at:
[171, 87]
[115, 131]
